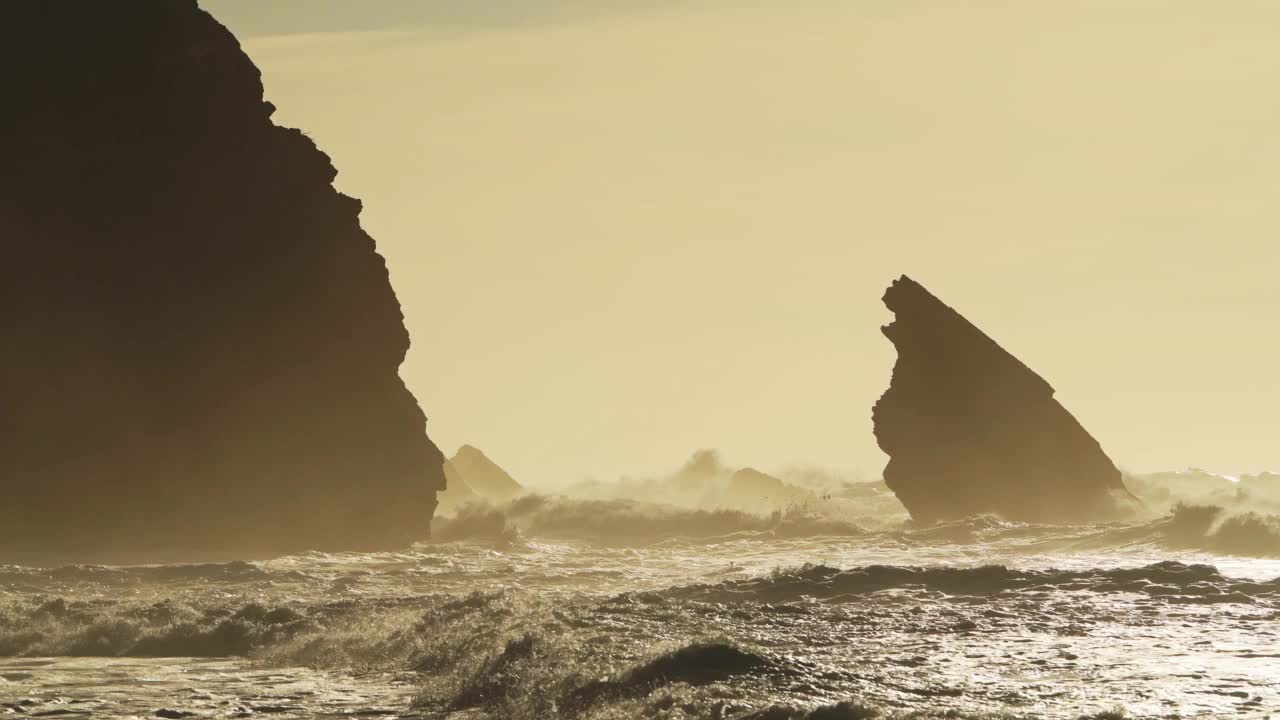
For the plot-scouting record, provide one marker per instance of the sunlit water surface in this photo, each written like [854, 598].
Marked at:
[754, 624]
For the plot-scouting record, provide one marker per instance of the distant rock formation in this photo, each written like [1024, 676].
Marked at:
[1162, 491]
[200, 345]
[753, 483]
[751, 489]
[483, 476]
[456, 493]
[969, 429]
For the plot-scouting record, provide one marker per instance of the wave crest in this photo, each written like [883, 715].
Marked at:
[1216, 529]
[628, 522]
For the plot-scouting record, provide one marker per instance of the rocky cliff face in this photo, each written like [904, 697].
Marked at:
[200, 345]
[970, 429]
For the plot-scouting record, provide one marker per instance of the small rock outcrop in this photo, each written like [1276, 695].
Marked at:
[751, 489]
[749, 482]
[483, 476]
[200, 346]
[969, 429]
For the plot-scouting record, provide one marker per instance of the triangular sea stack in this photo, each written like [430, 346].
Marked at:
[485, 477]
[472, 477]
[200, 347]
[969, 429]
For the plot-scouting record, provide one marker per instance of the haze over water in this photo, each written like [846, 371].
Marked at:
[621, 231]
[647, 227]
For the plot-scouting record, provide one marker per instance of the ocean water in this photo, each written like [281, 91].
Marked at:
[615, 608]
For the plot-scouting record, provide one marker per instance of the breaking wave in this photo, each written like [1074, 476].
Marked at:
[56, 626]
[789, 644]
[610, 608]
[1170, 580]
[1216, 529]
[434, 628]
[630, 522]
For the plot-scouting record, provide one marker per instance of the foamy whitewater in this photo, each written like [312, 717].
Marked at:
[572, 607]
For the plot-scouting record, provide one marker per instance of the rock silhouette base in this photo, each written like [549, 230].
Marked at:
[969, 429]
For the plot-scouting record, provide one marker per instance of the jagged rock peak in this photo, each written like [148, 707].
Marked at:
[201, 343]
[483, 475]
[970, 429]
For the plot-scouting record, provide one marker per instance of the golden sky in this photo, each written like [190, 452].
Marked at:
[621, 231]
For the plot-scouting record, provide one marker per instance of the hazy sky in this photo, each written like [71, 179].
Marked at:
[623, 230]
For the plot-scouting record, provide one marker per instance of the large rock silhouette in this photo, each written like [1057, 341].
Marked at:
[969, 429]
[200, 345]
